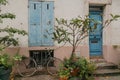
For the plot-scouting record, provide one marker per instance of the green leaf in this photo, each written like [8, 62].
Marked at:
[55, 36]
[7, 15]
[3, 2]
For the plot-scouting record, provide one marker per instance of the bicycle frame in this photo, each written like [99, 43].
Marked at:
[49, 63]
[43, 63]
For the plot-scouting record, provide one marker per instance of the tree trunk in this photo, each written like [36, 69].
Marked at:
[72, 54]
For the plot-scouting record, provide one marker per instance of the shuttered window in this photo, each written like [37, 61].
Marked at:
[41, 23]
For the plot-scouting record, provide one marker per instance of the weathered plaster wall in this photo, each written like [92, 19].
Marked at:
[69, 9]
[115, 36]
[113, 55]
[20, 9]
[63, 9]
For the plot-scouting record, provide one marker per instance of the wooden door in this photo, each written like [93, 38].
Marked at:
[95, 38]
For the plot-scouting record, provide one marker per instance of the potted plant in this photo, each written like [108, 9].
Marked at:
[73, 32]
[64, 73]
[78, 69]
[7, 40]
[6, 63]
[5, 67]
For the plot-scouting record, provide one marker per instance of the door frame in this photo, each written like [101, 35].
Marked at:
[107, 10]
[96, 48]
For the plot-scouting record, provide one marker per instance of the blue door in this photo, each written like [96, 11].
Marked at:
[41, 20]
[95, 38]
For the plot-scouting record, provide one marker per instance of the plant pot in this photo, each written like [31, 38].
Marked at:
[5, 73]
[63, 78]
[74, 78]
[74, 72]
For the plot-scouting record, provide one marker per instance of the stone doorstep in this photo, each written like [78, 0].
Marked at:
[105, 65]
[97, 60]
[105, 68]
[107, 72]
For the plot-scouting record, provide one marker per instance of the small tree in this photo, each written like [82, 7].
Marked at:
[8, 37]
[77, 29]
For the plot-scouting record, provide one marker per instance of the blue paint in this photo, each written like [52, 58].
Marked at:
[41, 21]
[95, 38]
[47, 21]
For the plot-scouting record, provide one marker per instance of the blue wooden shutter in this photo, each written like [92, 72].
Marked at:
[35, 23]
[41, 23]
[48, 23]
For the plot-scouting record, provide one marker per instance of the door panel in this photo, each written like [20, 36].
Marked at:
[95, 38]
[98, 17]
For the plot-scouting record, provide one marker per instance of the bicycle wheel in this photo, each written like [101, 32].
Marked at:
[26, 67]
[53, 66]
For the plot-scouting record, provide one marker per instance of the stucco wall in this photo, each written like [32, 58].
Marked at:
[113, 55]
[69, 9]
[115, 37]
[20, 9]
[63, 9]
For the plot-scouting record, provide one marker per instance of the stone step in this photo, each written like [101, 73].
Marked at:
[105, 68]
[107, 72]
[105, 65]
[98, 60]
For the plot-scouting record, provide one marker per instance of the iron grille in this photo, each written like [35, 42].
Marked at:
[41, 56]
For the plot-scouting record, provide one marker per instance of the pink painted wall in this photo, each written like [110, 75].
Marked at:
[110, 54]
[66, 52]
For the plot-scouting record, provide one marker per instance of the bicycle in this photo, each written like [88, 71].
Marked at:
[27, 66]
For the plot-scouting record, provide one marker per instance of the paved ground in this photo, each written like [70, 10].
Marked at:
[38, 77]
[48, 77]
[45, 76]
[108, 78]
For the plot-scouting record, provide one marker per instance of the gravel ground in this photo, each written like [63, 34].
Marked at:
[48, 77]
[38, 77]
[108, 78]
[45, 76]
